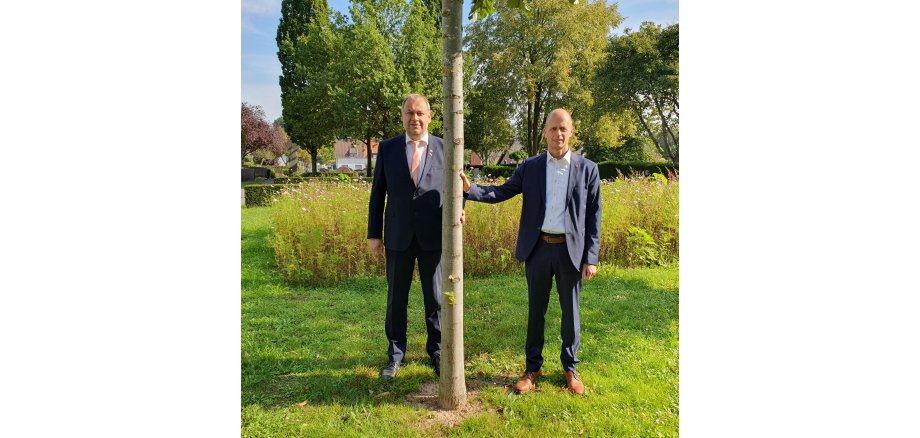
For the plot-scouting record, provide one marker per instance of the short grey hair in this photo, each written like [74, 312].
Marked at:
[416, 96]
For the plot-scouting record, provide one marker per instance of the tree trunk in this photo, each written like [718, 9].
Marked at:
[534, 121]
[452, 388]
[314, 153]
[505, 152]
[663, 150]
[367, 142]
[527, 145]
[664, 123]
[537, 121]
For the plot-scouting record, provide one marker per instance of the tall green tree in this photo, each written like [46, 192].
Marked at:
[488, 128]
[307, 47]
[418, 58]
[546, 56]
[640, 73]
[370, 87]
[603, 134]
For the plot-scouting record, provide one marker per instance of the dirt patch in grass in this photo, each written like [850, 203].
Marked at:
[438, 421]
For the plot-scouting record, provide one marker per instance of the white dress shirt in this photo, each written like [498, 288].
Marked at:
[557, 183]
[411, 150]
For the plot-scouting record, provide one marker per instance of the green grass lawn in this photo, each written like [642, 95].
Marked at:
[310, 357]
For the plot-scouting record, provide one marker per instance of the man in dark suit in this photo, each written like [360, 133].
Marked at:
[558, 236]
[408, 179]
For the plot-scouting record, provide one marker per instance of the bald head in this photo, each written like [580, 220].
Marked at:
[557, 129]
[558, 112]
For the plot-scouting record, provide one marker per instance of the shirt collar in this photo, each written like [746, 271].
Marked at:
[424, 139]
[565, 160]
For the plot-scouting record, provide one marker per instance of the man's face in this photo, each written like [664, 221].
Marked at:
[415, 117]
[557, 132]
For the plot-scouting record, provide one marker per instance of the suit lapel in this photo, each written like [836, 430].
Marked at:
[541, 177]
[430, 156]
[574, 169]
[399, 154]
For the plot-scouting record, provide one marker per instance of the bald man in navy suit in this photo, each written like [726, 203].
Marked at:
[559, 236]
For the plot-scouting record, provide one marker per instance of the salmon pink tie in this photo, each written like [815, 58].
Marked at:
[416, 159]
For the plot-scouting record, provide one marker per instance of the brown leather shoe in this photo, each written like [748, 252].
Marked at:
[527, 381]
[573, 382]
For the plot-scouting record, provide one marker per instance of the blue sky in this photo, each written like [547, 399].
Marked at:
[260, 67]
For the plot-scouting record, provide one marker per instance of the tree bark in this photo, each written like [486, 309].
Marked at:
[452, 388]
[664, 122]
[367, 143]
[663, 150]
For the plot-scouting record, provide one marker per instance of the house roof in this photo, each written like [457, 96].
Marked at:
[344, 148]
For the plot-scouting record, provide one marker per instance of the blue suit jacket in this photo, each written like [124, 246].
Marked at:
[582, 206]
[410, 210]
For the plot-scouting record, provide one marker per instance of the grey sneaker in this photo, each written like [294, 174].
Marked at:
[389, 372]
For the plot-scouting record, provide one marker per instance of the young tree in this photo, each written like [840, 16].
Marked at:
[640, 74]
[256, 133]
[452, 388]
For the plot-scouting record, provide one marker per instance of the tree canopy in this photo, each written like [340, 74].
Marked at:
[540, 59]
[640, 74]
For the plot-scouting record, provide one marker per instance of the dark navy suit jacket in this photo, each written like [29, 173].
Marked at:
[582, 206]
[410, 210]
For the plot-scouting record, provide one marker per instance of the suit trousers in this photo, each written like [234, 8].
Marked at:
[546, 262]
[400, 265]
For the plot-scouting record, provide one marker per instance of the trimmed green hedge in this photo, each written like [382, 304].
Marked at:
[608, 169]
[260, 196]
[497, 170]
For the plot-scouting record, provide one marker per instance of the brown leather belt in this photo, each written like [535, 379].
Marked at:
[553, 239]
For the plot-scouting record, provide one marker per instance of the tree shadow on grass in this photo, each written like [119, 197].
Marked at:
[347, 371]
[349, 381]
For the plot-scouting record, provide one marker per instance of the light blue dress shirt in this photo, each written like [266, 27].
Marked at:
[557, 182]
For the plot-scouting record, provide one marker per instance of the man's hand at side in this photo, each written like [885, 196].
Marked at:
[375, 247]
[588, 271]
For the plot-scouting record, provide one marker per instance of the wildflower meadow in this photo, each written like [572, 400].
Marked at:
[320, 230]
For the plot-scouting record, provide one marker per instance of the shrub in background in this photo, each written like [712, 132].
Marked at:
[613, 170]
[641, 249]
[261, 195]
[497, 171]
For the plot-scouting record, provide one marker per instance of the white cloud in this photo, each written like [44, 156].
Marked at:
[261, 66]
[248, 26]
[261, 7]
